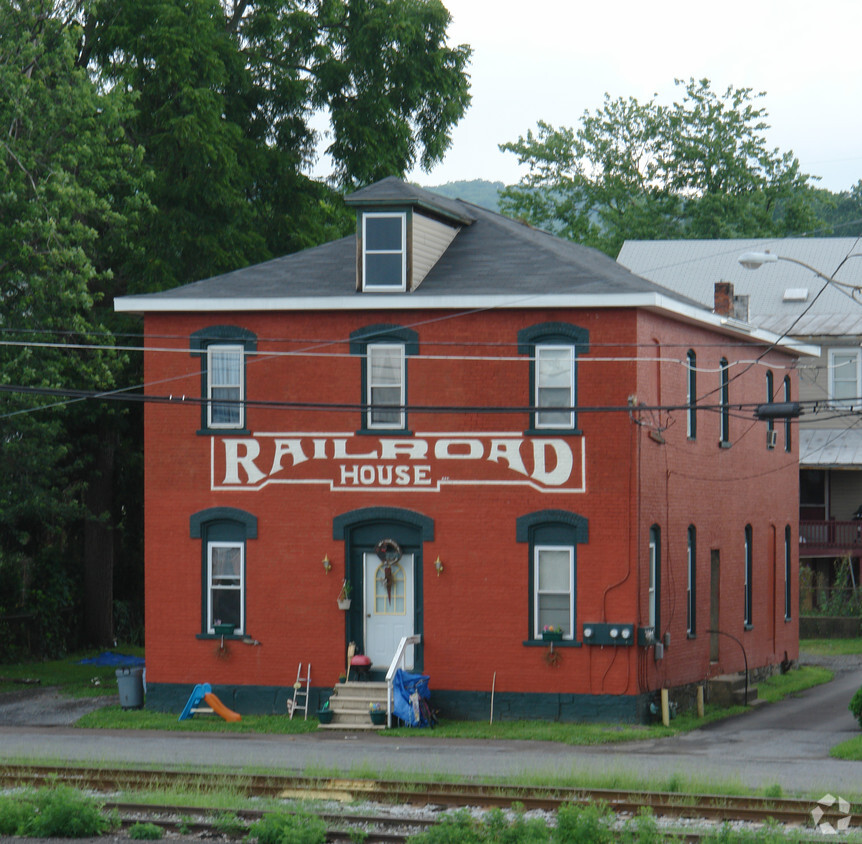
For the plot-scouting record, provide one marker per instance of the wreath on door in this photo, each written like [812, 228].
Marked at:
[388, 552]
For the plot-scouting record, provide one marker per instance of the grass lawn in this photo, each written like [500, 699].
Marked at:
[831, 647]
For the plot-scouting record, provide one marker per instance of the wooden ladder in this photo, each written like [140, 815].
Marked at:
[299, 701]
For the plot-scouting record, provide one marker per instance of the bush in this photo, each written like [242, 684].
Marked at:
[63, 812]
[856, 706]
[146, 832]
[288, 829]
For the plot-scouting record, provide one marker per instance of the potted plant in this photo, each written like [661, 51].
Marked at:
[344, 595]
[552, 633]
[377, 713]
[325, 714]
[342, 678]
[223, 629]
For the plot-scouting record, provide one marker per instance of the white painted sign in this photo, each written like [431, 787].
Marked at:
[425, 462]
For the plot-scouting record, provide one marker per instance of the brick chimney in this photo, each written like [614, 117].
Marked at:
[723, 298]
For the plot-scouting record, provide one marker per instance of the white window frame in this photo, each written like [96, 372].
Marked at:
[691, 395]
[540, 409]
[747, 598]
[788, 611]
[833, 370]
[211, 546]
[389, 288]
[537, 593]
[239, 422]
[691, 593]
[370, 387]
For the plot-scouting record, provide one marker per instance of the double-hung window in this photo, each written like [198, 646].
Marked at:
[691, 395]
[654, 580]
[384, 251]
[844, 377]
[225, 386]
[553, 349]
[555, 387]
[788, 550]
[224, 533]
[385, 389]
[384, 351]
[691, 592]
[747, 578]
[226, 585]
[553, 537]
[554, 594]
[724, 399]
[223, 350]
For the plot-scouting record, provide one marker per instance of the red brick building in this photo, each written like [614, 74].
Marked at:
[545, 438]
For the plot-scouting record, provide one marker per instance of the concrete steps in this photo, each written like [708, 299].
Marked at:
[350, 705]
[729, 690]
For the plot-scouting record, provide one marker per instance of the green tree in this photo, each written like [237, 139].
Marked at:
[70, 197]
[698, 168]
[229, 97]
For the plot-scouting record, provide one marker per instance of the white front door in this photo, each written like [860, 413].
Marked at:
[388, 609]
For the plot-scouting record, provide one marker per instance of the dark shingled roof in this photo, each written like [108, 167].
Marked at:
[491, 255]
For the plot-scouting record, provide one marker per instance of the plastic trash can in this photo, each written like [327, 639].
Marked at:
[131, 684]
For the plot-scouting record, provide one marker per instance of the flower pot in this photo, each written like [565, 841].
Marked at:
[378, 718]
[224, 629]
[344, 603]
[550, 636]
[325, 716]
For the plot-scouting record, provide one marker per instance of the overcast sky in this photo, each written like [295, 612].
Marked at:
[553, 59]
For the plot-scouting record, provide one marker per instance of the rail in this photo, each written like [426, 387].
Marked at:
[397, 662]
[829, 535]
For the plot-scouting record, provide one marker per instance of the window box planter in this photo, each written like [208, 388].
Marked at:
[378, 718]
[549, 636]
[224, 629]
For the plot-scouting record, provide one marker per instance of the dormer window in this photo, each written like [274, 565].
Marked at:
[384, 251]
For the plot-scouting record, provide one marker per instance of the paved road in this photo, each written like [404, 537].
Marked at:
[786, 744]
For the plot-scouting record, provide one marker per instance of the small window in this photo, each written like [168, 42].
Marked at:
[384, 251]
[691, 395]
[385, 351]
[225, 585]
[555, 386]
[223, 350]
[844, 372]
[553, 537]
[747, 596]
[788, 550]
[788, 442]
[691, 592]
[385, 397]
[554, 348]
[724, 389]
[554, 595]
[770, 423]
[654, 581]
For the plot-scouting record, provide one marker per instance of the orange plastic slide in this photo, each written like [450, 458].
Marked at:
[220, 709]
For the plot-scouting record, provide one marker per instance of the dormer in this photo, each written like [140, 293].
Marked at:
[401, 233]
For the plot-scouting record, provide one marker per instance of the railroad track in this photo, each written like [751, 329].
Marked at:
[713, 808]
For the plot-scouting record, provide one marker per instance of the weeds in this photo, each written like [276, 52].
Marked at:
[59, 812]
[288, 829]
[146, 832]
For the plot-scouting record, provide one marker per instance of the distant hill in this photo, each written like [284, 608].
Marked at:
[477, 191]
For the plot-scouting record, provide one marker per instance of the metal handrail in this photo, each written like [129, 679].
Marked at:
[415, 639]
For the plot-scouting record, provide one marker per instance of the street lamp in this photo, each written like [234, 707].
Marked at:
[755, 260]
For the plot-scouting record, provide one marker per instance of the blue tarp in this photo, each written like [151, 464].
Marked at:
[109, 658]
[407, 691]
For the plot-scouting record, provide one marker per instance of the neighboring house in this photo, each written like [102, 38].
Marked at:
[485, 431]
[791, 300]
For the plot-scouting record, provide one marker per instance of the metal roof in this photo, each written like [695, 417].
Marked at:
[830, 448]
[692, 267]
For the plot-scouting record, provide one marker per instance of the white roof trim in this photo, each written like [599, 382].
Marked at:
[408, 302]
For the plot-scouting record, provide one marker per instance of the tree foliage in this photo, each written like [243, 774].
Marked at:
[699, 168]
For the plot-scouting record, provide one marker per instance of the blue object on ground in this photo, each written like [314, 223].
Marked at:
[407, 690]
[109, 658]
[194, 700]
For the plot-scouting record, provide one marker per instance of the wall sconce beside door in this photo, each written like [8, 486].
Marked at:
[438, 565]
[327, 566]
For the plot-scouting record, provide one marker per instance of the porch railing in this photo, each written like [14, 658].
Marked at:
[828, 537]
[397, 662]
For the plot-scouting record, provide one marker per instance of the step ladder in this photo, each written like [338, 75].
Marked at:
[299, 701]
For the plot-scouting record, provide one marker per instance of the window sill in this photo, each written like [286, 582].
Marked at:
[553, 432]
[384, 432]
[540, 643]
[691, 635]
[224, 432]
[724, 444]
[218, 636]
[748, 627]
